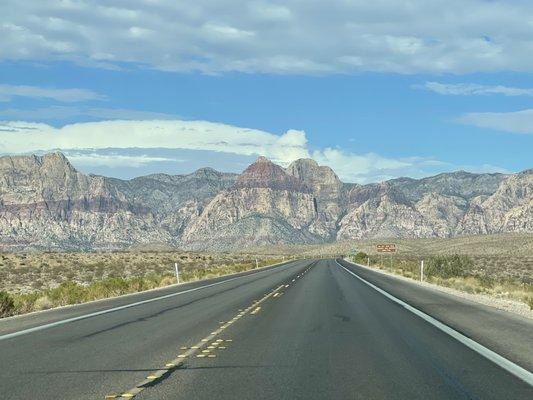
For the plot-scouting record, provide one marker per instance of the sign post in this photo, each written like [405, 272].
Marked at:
[386, 248]
[422, 271]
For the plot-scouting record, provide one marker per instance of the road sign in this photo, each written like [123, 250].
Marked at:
[386, 248]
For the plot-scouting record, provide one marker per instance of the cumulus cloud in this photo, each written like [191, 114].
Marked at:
[7, 92]
[515, 122]
[362, 167]
[23, 137]
[472, 89]
[290, 36]
[156, 145]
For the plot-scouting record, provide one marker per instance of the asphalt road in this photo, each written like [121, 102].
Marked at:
[306, 330]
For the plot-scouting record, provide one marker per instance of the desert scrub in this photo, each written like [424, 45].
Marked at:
[449, 266]
[74, 293]
[529, 302]
[7, 304]
[360, 258]
[459, 272]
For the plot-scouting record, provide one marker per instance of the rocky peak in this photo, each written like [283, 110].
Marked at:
[50, 161]
[263, 173]
[308, 171]
[206, 173]
[49, 170]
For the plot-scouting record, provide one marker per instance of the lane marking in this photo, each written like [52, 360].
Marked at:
[125, 306]
[497, 359]
[198, 348]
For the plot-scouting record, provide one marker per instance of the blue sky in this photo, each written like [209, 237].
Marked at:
[139, 87]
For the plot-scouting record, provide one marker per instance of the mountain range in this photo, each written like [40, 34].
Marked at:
[46, 204]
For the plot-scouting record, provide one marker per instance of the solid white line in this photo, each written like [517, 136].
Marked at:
[109, 310]
[502, 362]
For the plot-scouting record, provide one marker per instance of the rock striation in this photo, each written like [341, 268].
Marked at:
[45, 203]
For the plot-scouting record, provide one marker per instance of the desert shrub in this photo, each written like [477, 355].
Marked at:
[67, 293]
[107, 288]
[360, 258]
[486, 281]
[529, 302]
[7, 304]
[43, 303]
[168, 280]
[449, 266]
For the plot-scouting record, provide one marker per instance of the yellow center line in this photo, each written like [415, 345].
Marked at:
[179, 360]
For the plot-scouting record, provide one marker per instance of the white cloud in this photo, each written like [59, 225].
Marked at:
[371, 167]
[7, 92]
[472, 89]
[290, 36]
[360, 167]
[67, 112]
[94, 159]
[515, 122]
[23, 137]
[149, 143]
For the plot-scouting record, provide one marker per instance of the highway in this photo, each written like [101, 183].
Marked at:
[308, 329]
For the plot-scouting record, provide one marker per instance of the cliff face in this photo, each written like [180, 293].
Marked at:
[46, 204]
[265, 206]
[327, 195]
[508, 209]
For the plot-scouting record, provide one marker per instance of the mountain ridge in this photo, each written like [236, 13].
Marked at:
[45, 203]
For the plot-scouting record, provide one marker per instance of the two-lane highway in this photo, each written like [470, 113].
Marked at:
[92, 357]
[306, 330]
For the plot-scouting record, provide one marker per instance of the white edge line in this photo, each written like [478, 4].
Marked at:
[502, 362]
[137, 303]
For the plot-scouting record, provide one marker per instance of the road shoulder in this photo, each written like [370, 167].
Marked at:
[505, 333]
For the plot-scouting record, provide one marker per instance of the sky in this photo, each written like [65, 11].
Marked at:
[376, 90]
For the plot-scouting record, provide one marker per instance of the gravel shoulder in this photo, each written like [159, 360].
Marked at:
[515, 307]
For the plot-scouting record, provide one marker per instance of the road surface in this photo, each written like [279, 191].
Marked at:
[309, 329]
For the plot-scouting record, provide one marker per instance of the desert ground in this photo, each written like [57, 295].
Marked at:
[495, 265]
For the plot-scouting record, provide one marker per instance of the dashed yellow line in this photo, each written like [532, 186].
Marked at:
[178, 362]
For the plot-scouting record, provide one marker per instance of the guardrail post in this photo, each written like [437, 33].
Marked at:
[177, 272]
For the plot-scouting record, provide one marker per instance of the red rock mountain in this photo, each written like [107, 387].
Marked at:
[46, 204]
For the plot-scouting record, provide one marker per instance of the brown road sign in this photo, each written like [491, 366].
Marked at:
[386, 248]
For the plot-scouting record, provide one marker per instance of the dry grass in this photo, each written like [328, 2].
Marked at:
[125, 272]
[481, 275]
[29, 272]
